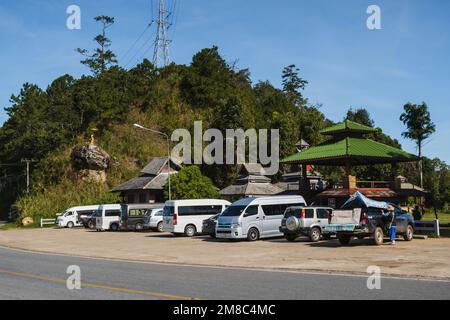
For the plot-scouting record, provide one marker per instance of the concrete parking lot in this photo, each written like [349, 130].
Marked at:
[419, 259]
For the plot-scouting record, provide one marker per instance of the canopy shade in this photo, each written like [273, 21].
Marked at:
[347, 127]
[350, 150]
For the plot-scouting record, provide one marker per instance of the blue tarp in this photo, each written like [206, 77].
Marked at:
[363, 200]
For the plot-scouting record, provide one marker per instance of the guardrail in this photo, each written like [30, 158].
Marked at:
[427, 226]
[47, 222]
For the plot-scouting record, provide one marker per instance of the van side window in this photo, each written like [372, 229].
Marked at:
[272, 210]
[112, 213]
[199, 210]
[86, 212]
[309, 213]
[251, 211]
[69, 213]
[322, 213]
[136, 212]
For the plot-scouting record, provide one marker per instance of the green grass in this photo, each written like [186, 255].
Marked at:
[444, 222]
[444, 218]
[10, 226]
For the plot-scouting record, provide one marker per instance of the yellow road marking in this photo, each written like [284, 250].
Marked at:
[97, 286]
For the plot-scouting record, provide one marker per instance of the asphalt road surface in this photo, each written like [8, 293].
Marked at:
[27, 275]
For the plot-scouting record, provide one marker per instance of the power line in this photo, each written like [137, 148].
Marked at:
[137, 40]
[130, 61]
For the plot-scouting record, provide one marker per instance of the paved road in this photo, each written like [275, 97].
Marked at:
[26, 275]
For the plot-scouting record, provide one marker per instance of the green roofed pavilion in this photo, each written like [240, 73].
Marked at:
[347, 147]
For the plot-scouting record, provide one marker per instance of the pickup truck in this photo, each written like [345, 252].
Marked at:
[368, 222]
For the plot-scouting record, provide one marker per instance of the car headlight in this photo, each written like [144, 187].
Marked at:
[235, 225]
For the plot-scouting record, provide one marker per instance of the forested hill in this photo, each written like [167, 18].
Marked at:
[45, 124]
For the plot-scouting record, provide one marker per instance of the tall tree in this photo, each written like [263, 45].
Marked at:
[361, 116]
[292, 84]
[102, 57]
[419, 127]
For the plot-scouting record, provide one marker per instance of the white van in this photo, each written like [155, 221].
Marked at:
[186, 216]
[73, 217]
[255, 217]
[108, 217]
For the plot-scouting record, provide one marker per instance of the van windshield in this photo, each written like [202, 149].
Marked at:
[233, 211]
[168, 211]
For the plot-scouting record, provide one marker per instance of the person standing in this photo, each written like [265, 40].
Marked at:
[389, 217]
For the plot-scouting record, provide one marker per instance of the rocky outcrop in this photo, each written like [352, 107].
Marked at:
[90, 157]
[91, 162]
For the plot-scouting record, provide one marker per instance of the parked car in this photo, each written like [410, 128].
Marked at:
[209, 226]
[369, 223]
[254, 218]
[186, 216]
[132, 216]
[307, 221]
[89, 220]
[108, 217]
[74, 216]
[154, 219]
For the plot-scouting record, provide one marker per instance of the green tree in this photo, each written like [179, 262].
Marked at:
[361, 116]
[292, 84]
[189, 183]
[419, 127]
[102, 57]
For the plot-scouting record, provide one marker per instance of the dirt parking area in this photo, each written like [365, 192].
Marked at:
[420, 258]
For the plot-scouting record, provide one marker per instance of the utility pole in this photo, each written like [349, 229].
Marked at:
[161, 50]
[28, 161]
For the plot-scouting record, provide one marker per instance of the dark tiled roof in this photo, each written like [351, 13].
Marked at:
[137, 183]
[251, 188]
[154, 167]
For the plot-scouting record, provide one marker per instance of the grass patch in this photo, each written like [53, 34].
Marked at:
[444, 222]
[10, 226]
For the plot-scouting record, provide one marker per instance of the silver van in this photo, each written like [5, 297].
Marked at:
[255, 217]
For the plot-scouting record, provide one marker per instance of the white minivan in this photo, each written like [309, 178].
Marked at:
[255, 217]
[108, 217]
[73, 217]
[186, 216]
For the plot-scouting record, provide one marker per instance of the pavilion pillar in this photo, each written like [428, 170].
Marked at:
[394, 174]
[349, 180]
[304, 181]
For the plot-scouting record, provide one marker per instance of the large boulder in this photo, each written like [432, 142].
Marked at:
[90, 157]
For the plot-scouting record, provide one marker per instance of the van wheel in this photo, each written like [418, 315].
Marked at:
[160, 227]
[343, 239]
[314, 234]
[253, 234]
[114, 227]
[190, 230]
[378, 236]
[408, 236]
[70, 224]
[138, 227]
[290, 237]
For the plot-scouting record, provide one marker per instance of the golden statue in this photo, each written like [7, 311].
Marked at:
[93, 130]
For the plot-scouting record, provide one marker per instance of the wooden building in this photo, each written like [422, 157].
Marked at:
[149, 186]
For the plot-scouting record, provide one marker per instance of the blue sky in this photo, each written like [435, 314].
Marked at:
[346, 64]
